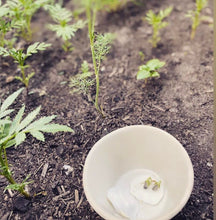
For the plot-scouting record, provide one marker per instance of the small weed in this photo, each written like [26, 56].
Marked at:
[13, 133]
[149, 69]
[142, 56]
[195, 16]
[6, 26]
[157, 23]
[64, 29]
[82, 82]
[20, 57]
[21, 13]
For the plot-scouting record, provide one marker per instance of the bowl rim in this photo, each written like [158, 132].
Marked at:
[108, 216]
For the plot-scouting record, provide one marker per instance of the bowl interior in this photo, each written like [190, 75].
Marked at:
[138, 147]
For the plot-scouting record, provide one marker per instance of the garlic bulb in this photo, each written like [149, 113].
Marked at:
[136, 194]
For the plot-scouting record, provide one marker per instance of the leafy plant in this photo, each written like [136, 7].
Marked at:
[20, 57]
[157, 23]
[149, 69]
[195, 15]
[64, 29]
[13, 133]
[21, 12]
[99, 43]
[82, 82]
[6, 26]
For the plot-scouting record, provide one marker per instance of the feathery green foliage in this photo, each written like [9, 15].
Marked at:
[21, 12]
[195, 15]
[157, 23]
[82, 82]
[20, 57]
[13, 133]
[64, 29]
[149, 69]
[6, 26]
[99, 43]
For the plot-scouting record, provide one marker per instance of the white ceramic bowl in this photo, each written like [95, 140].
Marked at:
[136, 147]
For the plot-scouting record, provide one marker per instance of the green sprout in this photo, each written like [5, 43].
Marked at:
[20, 57]
[149, 69]
[13, 133]
[157, 23]
[142, 56]
[195, 16]
[99, 43]
[22, 11]
[82, 82]
[149, 182]
[156, 185]
[64, 29]
[7, 26]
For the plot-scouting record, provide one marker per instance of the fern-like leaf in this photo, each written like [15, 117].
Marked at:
[53, 128]
[37, 46]
[10, 100]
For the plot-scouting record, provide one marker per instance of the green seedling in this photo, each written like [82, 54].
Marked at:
[157, 23]
[13, 133]
[142, 56]
[151, 182]
[195, 16]
[20, 57]
[82, 82]
[64, 29]
[6, 26]
[99, 43]
[149, 69]
[147, 183]
[22, 11]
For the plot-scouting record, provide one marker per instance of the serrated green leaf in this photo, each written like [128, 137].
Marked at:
[3, 140]
[155, 64]
[53, 128]
[5, 121]
[155, 74]
[4, 52]
[10, 143]
[36, 125]
[59, 13]
[28, 119]
[19, 78]
[143, 74]
[38, 135]
[17, 120]
[20, 137]
[5, 113]
[10, 100]
[37, 46]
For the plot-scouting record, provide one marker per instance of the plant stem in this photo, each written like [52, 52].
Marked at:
[6, 171]
[195, 24]
[91, 16]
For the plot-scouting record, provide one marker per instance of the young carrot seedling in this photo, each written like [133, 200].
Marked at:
[157, 23]
[22, 11]
[99, 43]
[20, 57]
[195, 16]
[13, 133]
[82, 82]
[64, 29]
[149, 69]
[6, 26]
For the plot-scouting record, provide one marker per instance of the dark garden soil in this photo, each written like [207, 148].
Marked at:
[180, 102]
